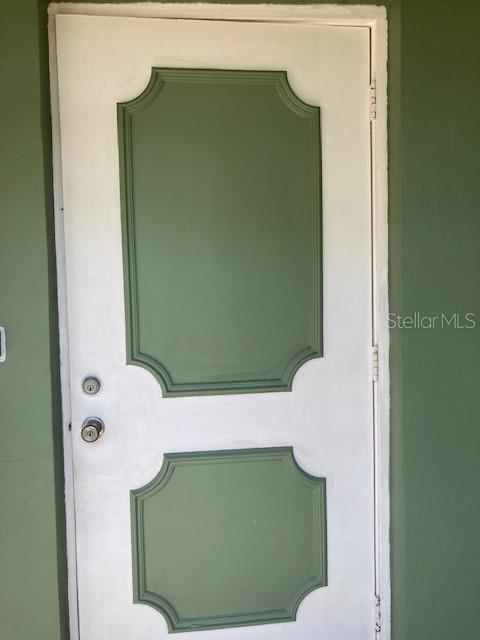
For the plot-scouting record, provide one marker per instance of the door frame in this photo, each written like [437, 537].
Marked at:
[374, 19]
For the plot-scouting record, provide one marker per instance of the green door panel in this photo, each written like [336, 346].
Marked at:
[228, 538]
[221, 208]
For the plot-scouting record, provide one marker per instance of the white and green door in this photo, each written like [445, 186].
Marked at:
[217, 228]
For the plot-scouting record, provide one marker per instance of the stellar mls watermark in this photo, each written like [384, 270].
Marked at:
[419, 320]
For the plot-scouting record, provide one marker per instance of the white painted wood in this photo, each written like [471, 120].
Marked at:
[328, 66]
[63, 337]
[381, 338]
[328, 14]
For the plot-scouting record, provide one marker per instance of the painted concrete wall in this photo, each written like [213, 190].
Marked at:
[435, 265]
[435, 268]
[32, 566]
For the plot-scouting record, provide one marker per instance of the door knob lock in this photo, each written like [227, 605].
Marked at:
[92, 429]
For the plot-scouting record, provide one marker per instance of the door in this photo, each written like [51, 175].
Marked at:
[217, 212]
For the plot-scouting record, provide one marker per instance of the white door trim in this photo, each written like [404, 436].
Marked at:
[367, 16]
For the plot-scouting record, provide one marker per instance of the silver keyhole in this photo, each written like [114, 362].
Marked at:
[92, 429]
[91, 385]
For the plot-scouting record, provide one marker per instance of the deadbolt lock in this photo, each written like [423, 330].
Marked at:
[91, 385]
[92, 429]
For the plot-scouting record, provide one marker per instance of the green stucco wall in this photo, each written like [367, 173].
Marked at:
[32, 551]
[434, 265]
[435, 268]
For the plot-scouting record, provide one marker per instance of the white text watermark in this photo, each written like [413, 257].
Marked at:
[419, 320]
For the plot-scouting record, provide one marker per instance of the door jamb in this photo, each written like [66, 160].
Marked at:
[368, 16]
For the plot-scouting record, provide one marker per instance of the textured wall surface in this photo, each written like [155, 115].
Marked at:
[434, 265]
[32, 565]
